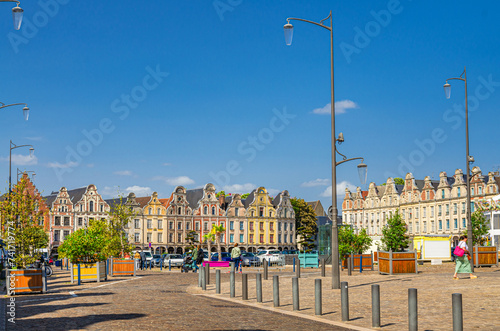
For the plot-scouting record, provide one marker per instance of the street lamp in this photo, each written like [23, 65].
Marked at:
[19, 172]
[468, 158]
[26, 110]
[17, 13]
[14, 146]
[288, 29]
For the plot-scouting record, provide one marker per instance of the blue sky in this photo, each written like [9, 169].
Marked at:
[146, 96]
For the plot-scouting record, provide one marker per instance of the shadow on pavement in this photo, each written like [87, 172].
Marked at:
[71, 323]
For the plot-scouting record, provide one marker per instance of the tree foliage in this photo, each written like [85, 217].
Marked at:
[87, 245]
[21, 218]
[245, 195]
[351, 242]
[394, 235]
[191, 241]
[397, 181]
[305, 223]
[218, 231]
[479, 228]
[218, 194]
[118, 241]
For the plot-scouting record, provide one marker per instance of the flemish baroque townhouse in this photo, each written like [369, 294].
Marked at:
[71, 210]
[427, 206]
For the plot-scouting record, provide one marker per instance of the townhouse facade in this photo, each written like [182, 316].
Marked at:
[427, 206]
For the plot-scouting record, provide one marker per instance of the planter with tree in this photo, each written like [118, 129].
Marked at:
[352, 246]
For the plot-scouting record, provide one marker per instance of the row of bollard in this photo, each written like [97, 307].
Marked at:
[344, 297]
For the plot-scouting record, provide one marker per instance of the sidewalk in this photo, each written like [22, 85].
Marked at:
[481, 296]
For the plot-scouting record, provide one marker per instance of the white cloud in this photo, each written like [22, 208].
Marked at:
[316, 182]
[175, 181]
[34, 138]
[123, 173]
[340, 189]
[62, 165]
[340, 107]
[139, 190]
[239, 188]
[19, 159]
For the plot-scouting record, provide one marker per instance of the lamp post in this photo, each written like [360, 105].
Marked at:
[17, 13]
[288, 29]
[20, 172]
[468, 158]
[14, 146]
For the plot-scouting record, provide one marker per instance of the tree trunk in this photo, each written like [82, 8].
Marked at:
[218, 248]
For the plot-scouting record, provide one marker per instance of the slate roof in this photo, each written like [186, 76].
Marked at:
[143, 201]
[246, 202]
[193, 197]
[75, 195]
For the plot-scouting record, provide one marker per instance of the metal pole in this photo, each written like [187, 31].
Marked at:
[469, 220]
[295, 292]
[349, 266]
[232, 285]
[458, 321]
[375, 306]
[207, 269]
[293, 264]
[204, 280]
[244, 286]
[276, 291]
[360, 263]
[259, 287]
[217, 281]
[323, 267]
[79, 274]
[67, 264]
[200, 276]
[318, 300]
[44, 280]
[297, 269]
[265, 270]
[169, 265]
[232, 266]
[412, 310]
[344, 301]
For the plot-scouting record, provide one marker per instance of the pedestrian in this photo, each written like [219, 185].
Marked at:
[143, 261]
[199, 257]
[462, 261]
[236, 256]
[137, 258]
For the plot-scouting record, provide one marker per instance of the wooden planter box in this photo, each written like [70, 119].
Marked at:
[309, 260]
[26, 281]
[485, 256]
[390, 263]
[367, 261]
[121, 267]
[89, 272]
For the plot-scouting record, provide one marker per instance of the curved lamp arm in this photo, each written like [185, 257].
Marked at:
[13, 104]
[14, 146]
[329, 28]
[17, 2]
[351, 159]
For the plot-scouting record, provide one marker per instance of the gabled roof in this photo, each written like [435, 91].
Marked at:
[166, 202]
[75, 195]
[193, 197]
[246, 202]
[143, 201]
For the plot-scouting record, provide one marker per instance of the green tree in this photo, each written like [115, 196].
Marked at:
[20, 216]
[218, 231]
[394, 235]
[218, 194]
[209, 238]
[118, 241]
[305, 223]
[245, 195]
[87, 245]
[350, 242]
[397, 181]
[191, 240]
[479, 228]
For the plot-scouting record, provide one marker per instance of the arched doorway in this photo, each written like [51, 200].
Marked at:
[251, 249]
[280, 249]
[456, 239]
[179, 250]
[170, 250]
[272, 248]
[230, 249]
[222, 249]
[157, 250]
[137, 248]
[162, 250]
[213, 249]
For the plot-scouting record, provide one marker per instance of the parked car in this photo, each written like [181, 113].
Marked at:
[175, 260]
[156, 260]
[224, 257]
[248, 258]
[269, 255]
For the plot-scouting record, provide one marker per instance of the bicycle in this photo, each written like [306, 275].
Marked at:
[42, 263]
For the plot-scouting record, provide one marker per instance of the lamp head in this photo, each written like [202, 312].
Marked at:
[32, 151]
[17, 15]
[447, 90]
[288, 33]
[26, 113]
[340, 139]
[362, 172]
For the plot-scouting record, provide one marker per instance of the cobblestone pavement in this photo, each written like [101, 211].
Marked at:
[152, 301]
[481, 296]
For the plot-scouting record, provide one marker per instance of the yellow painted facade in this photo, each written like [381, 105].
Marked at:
[155, 219]
[262, 222]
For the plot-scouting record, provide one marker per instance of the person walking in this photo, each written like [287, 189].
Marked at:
[143, 261]
[137, 258]
[462, 262]
[236, 256]
[197, 252]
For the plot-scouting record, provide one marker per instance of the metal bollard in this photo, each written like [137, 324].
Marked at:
[150, 264]
[344, 301]
[295, 293]
[412, 309]
[349, 266]
[67, 264]
[208, 273]
[458, 321]
[199, 276]
[258, 278]
[231, 285]
[217, 281]
[265, 270]
[375, 306]
[360, 263]
[161, 264]
[232, 266]
[79, 275]
[107, 268]
[293, 264]
[276, 291]
[317, 297]
[323, 267]
[244, 286]
[297, 270]
[203, 280]
[169, 265]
